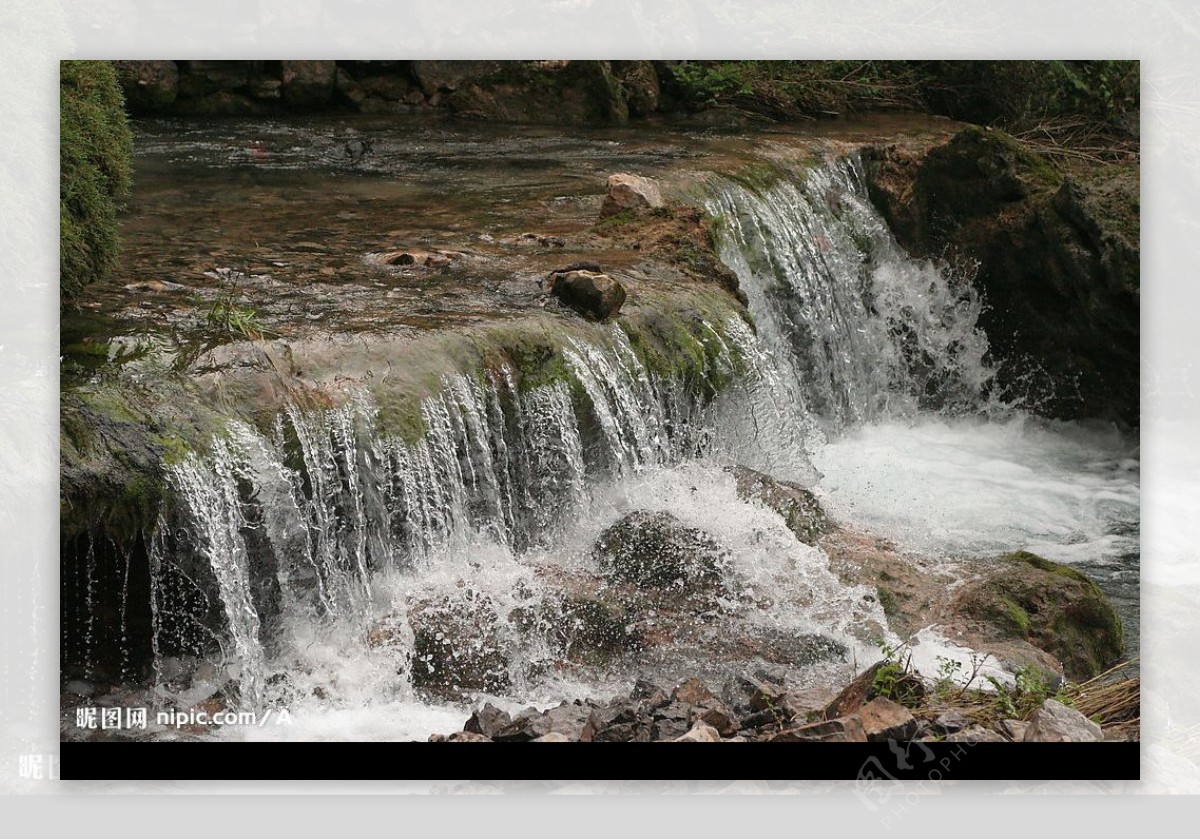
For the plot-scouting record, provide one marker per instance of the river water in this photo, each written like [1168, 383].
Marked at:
[866, 379]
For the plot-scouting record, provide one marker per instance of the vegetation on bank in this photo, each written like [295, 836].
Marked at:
[95, 159]
[1090, 106]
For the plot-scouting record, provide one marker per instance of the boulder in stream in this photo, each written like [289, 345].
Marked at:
[627, 192]
[656, 550]
[596, 296]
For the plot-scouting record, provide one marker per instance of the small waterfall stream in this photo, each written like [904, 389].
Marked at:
[315, 532]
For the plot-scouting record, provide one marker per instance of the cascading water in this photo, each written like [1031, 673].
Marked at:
[863, 330]
[316, 542]
[884, 354]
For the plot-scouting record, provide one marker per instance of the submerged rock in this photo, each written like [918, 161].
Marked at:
[458, 646]
[657, 550]
[595, 296]
[625, 192]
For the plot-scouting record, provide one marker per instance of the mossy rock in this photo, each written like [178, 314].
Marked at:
[95, 172]
[1054, 607]
[799, 507]
[655, 550]
[1056, 257]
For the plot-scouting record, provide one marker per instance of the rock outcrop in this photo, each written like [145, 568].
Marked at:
[1057, 259]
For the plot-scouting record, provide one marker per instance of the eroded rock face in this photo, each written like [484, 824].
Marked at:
[594, 295]
[627, 192]
[657, 550]
[1057, 261]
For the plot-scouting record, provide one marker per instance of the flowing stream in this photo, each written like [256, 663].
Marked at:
[866, 378]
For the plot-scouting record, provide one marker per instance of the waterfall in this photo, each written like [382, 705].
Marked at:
[297, 523]
[860, 328]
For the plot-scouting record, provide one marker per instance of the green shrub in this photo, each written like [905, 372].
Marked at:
[95, 152]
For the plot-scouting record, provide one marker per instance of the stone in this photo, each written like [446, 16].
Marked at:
[617, 722]
[148, 85]
[798, 506]
[640, 81]
[597, 297]
[951, 721]
[693, 692]
[656, 550]
[307, 84]
[644, 690]
[627, 192]
[438, 76]
[552, 737]
[852, 697]
[1058, 723]
[700, 732]
[883, 720]
[467, 737]
[200, 78]
[567, 719]
[1054, 607]
[670, 721]
[976, 735]
[847, 728]
[487, 721]
[457, 646]
[719, 716]
[1015, 729]
[589, 629]
[348, 89]
[418, 257]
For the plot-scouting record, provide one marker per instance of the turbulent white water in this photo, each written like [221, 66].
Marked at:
[867, 379]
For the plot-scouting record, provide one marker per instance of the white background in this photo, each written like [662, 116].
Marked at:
[35, 34]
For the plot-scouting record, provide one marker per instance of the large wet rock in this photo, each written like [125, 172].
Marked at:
[1053, 607]
[594, 295]
[1057, 255]
[656, 550]
[588, 629]
[797, 505]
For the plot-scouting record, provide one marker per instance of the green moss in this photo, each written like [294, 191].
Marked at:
[175, 449]
[95, 172]
[758, 175]
[617, 221]
[1047, 566]
[887, 600]
[1014, 616]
